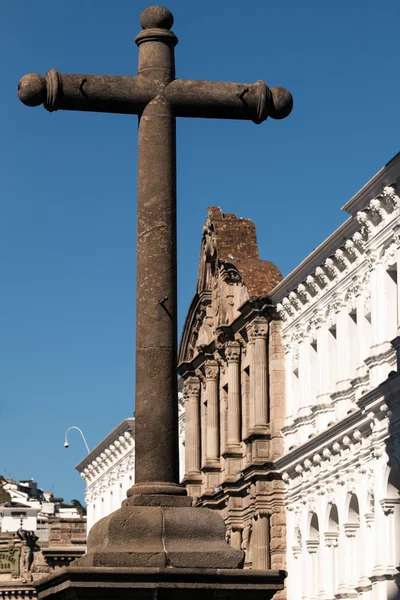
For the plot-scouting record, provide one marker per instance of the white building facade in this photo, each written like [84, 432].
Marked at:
[340, 312]
[109, 469]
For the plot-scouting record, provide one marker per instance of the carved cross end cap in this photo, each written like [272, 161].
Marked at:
[156, 17]
[32, 89]
[156, 22]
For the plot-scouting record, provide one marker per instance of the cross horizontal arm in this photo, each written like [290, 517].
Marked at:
[130, 95]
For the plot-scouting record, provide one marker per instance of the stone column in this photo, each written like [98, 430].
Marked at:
[329, 564]
[236, 538]
[259, 387]
[251, 357]
[380, 342]
[312, 569]
[351, 530]
[324, 387]
[261, 542]
[363, 337]
[212, 411]
[276, 367]
[191, 393]
[344, 346]
[157, 453]
[232, 353]
[306, 400]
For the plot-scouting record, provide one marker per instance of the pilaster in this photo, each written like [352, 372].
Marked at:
[212, 463]
[191, 394]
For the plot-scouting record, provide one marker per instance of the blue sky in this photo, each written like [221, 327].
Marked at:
[68, 187]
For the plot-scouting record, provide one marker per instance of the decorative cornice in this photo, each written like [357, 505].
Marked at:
[348, 255]
[122, 435]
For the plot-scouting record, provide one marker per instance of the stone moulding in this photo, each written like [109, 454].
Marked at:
[154, 583]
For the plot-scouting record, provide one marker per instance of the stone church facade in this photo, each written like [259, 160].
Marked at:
[231, 362]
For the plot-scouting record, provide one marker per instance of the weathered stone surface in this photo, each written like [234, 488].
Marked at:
[158, 536]
[159, 584]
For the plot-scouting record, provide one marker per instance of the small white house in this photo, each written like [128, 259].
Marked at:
[18, 516]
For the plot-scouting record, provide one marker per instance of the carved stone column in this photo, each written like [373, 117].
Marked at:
[250, 353]
[261, 542]
[305, 375]
[191, 392]
[330, 563]
[364, 334]
[380, 340]
[324, 378]
[344, 346]
[212, 411]
[232, 353]
[236, 538]
[259, 387]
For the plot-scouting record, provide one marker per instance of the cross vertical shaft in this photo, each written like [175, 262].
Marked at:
[156, 309]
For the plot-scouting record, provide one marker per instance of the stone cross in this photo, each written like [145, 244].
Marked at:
[157, 97]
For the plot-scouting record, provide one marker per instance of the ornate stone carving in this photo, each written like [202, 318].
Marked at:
[350, 248]
[209, 242]
[281, 311]
[229, 273]
[322, 276]
[211, 370]
[232, 351]
[294, 300]
[303, 293]
[377, 210]
[389, 254]
[359, 240]
[330, 268]
[312, 285]
[341, 259]
[288, 306]
[354, 290]
[191, 387]
[364, 220]
[258, 329]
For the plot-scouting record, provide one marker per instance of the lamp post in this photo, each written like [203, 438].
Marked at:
[66, 444]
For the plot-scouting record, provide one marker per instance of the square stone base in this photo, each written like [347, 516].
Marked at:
[98, 583]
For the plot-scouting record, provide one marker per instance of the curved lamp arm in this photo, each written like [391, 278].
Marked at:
[81, 432]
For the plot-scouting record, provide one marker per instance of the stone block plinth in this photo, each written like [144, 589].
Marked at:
[152, 583]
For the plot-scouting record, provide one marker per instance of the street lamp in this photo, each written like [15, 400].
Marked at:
[66, 445]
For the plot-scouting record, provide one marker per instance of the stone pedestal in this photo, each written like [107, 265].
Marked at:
[160, 584]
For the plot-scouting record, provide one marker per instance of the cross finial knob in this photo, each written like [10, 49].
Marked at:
[32, 89]
[157, 17]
